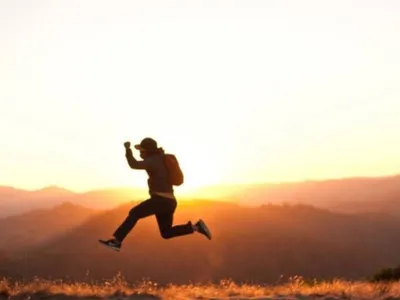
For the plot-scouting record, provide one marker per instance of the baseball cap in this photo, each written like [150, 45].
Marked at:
[147, 144]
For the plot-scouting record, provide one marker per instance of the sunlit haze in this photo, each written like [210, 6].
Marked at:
[240, 91]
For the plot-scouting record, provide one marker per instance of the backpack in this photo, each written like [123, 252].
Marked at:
[174, 170]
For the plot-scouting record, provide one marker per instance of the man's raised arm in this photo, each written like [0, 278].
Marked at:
[133, 162]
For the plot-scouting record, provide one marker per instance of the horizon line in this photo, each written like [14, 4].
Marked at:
[144, 189]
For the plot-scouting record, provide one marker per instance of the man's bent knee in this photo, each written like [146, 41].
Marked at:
[166, 234]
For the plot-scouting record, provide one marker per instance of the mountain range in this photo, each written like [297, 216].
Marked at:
[250, 244]
[341, 194]
[345, 228]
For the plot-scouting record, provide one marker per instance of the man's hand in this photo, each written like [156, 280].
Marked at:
[127, 145]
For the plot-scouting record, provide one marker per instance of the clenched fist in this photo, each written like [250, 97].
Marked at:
[127, 145]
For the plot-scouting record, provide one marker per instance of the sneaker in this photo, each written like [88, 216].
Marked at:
[112, 243]
[203, 229]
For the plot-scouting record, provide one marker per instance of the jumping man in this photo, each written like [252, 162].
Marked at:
[164, 172]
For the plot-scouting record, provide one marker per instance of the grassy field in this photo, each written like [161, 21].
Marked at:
[120, 289]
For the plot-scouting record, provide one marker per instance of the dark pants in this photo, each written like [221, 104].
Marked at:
[163, 209]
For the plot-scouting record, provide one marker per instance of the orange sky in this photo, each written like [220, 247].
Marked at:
[240, 91]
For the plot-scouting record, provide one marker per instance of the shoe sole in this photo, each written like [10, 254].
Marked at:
[205, 228]
[109, 246]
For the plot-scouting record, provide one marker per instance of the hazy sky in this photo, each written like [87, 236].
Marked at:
[241, 91]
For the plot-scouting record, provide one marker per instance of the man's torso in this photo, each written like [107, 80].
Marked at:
[158, 181]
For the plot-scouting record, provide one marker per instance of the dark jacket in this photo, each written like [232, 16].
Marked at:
[154, 166]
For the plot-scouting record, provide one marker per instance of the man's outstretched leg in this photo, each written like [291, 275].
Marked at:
[168, 231]
[165, 218]
[142, 210]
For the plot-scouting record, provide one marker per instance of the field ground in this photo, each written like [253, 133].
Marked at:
[118, 289]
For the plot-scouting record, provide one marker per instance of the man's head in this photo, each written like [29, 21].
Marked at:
[147, 146]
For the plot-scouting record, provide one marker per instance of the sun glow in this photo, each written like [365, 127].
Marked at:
[247, 91]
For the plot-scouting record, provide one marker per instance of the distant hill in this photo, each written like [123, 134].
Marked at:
[249, 244]
[19, 233]
[109, 198]
[17, 201]
[344, 195]
[323, 193]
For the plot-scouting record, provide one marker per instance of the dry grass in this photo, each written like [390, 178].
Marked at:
[226, 289]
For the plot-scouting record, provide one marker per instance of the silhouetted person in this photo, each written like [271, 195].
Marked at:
[164, 172]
